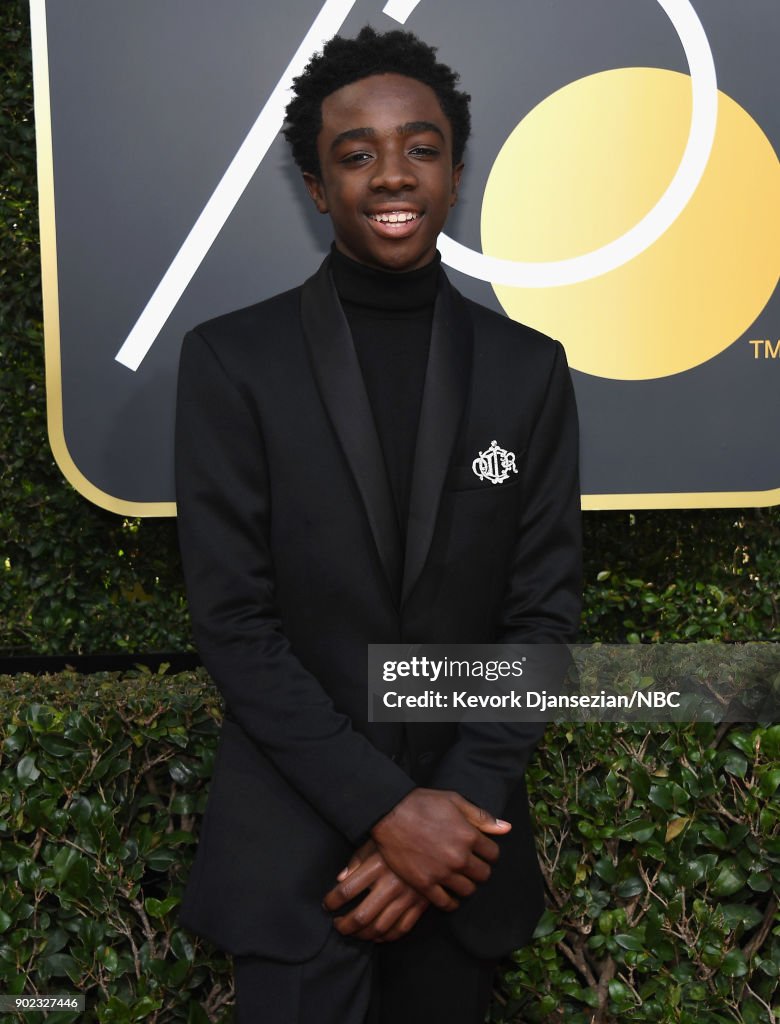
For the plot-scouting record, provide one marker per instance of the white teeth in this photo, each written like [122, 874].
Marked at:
[400, 217]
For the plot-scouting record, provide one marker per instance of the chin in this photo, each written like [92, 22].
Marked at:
[401, 261]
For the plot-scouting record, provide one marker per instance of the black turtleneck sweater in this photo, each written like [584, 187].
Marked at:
[390, 317]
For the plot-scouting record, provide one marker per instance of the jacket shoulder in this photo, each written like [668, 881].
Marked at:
[277, 310]
[498, 332]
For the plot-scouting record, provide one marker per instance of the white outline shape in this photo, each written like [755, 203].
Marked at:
[704, 118]
[231, 187]
[476, 264]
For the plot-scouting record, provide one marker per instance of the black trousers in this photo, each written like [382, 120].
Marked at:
[424, 978]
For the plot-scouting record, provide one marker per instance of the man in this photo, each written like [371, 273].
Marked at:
[327, 500]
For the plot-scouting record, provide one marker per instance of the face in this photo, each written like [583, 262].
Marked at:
[386, 173]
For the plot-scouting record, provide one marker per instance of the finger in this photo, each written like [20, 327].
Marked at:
[477, 870]
[480, 818]
[440, 898]
[353, 865]
[473, 870]
[459, 885]
[361, 920]
[387, 917]
[486, 849]
[357, 858]
[405, 922]
[351, 886]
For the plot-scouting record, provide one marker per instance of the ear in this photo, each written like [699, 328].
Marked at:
[456, 173]
[316, 190]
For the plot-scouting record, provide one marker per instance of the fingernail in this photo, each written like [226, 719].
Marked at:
[500, 821]
[342, 875]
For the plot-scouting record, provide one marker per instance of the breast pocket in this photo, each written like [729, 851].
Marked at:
[464, 478]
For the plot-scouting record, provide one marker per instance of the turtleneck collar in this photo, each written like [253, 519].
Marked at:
[383, 290]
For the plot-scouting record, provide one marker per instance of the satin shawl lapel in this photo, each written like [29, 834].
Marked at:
[340, 382]
[446, 386]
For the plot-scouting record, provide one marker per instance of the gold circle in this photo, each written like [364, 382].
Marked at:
[582, 169]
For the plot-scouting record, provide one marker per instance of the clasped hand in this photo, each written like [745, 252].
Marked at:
[430, 849]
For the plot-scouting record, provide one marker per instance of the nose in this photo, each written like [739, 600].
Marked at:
[392, 172]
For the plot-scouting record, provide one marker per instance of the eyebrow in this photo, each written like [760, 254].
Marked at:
[409, 128]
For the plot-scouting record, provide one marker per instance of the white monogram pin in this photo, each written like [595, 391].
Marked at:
[494, 464]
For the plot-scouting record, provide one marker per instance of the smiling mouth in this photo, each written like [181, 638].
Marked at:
[394, 217]
[394, 223]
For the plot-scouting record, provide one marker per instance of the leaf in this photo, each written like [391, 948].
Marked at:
[741, 913]
[80, 810]
[547, 923]
[56, 940]
[180, 772]
[759, 882]
[632, 942]
[159, 908]
[143, 1007]
[618, 989]
[109, 957]
[769, 782]
[28, 874]
[182, 946]
[770, 742]
[728, 881]
[78, 878]
[60, 965]
[64, 861]
[715, 835]
[675, 827]
[606, 870]
[55, 745]
[735, 764]
[734, 965]
[743, 742]
[161, 860]
[661, 797]
[630, 887]
[642, 831]
[26, 770]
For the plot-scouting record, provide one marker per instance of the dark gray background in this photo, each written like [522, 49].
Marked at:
[150, 101]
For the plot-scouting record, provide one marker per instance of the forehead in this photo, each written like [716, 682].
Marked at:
[382, 102]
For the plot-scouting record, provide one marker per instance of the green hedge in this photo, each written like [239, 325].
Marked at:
[660, 847]
[101, 786]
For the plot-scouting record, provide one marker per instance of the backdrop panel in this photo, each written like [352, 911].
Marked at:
[621, 192]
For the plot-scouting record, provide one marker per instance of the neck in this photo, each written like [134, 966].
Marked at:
[360, 285]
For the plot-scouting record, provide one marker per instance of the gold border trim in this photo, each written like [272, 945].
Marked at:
[50, 287]
[681, 499]
[51, 328]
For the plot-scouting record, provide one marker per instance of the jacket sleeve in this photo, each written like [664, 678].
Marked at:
[543, 595]
[224, 509]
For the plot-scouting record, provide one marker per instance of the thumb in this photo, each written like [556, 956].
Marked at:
[482, 819]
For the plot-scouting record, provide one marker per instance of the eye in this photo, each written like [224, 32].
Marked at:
[356, 158]
[424, 151]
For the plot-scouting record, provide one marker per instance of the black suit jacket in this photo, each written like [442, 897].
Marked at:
[293, 565]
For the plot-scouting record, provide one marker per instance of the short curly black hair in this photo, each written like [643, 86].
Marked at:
[343, 61]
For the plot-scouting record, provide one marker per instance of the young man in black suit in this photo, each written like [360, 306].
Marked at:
[326, 441]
